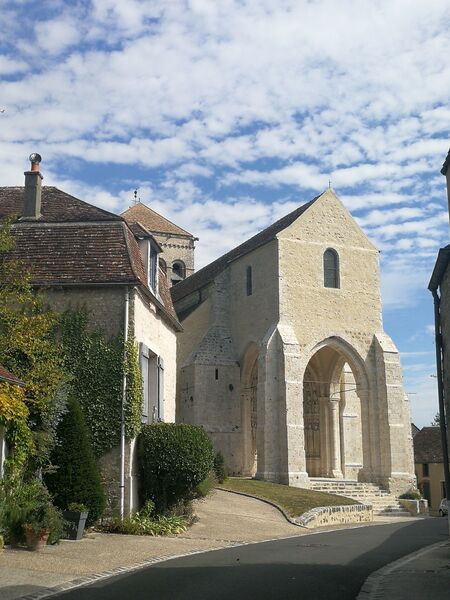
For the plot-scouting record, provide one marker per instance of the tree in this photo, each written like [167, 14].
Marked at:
[436, 421]
[77, 478]
[29, 350]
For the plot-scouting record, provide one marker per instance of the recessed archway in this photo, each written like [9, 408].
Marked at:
[334, 408]
[249, 404]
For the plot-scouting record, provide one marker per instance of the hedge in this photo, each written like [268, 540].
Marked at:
[174, 458]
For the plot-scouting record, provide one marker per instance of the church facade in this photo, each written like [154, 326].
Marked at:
[284, 360]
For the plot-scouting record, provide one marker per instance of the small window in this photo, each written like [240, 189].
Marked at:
[249, 281]
[152, 268]
[425, 470]
[179, 269]
[331, 268]
[163, 265]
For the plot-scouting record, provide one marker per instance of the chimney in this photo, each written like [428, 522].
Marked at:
[446, 171]
[32, 194]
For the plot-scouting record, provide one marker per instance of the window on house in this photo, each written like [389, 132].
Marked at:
[331, 268]
[163, 265]
[249, 281]
[425, 470]
[153, 268]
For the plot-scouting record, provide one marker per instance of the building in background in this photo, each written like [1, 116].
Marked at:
[177, 245]
[429, 464]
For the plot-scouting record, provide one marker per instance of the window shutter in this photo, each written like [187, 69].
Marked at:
[160, 388]
[143, 363]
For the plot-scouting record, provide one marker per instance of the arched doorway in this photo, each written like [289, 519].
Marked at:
[333, 409]
[249, 407]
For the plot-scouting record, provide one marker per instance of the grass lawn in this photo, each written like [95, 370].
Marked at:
[294, 501]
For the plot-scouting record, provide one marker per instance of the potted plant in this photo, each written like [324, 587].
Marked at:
[75, 520]
[43, 521]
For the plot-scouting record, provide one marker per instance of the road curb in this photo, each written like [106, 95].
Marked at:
[371, 587]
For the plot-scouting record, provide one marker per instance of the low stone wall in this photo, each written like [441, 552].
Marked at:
[336, 515]
[415, 507]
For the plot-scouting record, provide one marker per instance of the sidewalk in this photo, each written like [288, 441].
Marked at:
[423, 575]
[224, 520]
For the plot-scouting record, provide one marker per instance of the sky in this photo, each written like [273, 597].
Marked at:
[228, 114]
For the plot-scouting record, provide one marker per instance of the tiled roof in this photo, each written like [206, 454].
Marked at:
[427, 445]
[164, 292]
[5, 375]
[56, 206]
[152, 220]
[76, 243]
[208, 273]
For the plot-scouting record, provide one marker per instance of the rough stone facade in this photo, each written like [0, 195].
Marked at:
[293, 379]
[176, 249]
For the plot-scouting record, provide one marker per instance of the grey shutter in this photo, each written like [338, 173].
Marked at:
[160, 388]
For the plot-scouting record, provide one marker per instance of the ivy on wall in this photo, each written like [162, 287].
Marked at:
[96, 364]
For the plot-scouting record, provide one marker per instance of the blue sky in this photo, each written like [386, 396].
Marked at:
[229, 114]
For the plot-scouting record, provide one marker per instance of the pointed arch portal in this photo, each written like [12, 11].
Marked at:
[334, 413]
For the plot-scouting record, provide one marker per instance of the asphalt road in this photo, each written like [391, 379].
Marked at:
[331, 566]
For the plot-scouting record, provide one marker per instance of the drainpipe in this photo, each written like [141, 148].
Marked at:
[440, 383]
[122, 411]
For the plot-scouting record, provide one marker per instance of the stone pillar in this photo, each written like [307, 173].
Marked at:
[335, 439]
[324, 437]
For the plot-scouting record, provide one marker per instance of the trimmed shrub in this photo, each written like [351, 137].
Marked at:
[77, 477]
[174, 458]
[219, 467]
[411, 494]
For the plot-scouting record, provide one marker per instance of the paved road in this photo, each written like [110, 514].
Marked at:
[331, 566]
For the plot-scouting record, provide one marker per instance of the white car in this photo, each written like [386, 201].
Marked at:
[443, 507]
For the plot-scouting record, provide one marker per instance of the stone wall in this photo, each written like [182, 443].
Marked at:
[336, 515]
[176, 247]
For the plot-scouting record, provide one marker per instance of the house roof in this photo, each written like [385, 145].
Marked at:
[440, 268]
[76, 243]
[5, 375]
[208, 273]
[56, 206]
[141, 232]
[427, 445]
[152, 220]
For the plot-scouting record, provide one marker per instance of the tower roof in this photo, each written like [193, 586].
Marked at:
[153, 221]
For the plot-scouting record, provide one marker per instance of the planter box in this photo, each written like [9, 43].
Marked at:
[75, 522]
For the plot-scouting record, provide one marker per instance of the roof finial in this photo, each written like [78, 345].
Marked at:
[135, 193]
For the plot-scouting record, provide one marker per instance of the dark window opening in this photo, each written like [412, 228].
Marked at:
[163, 265]
[331, 269]
[217, 373]
[249, 281]
[425, 470]
[179, 269]
[153, 268]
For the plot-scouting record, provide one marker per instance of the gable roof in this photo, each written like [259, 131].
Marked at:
[427, 445]
[56, 206]
[151, 220]
[208, 273]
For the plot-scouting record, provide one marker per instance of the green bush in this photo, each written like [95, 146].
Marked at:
[141, 525]
[28, 505]
[219, 467]
[77, 477]
[174, 458]
[411, 494]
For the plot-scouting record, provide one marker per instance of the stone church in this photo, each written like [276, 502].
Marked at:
[283, 358]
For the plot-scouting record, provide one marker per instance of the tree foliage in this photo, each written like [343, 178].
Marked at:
[27, 349]
[77, 477]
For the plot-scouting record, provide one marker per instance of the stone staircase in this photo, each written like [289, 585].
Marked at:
[384, 504]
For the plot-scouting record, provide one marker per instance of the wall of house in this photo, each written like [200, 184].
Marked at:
[158, 335]
[435, 479]
[445, 324]
[105, 305]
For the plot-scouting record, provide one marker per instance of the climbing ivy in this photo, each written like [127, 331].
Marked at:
[96, 363]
